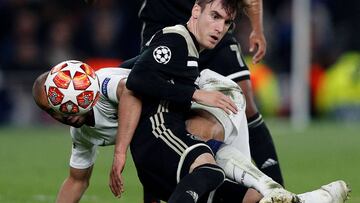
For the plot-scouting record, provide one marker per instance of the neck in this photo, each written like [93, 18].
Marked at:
[191, 26]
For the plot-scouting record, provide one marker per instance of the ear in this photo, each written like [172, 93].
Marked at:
[196, 11]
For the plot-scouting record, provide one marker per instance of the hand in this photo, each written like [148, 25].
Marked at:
[116, 182]
[257, 40]
[215, 99]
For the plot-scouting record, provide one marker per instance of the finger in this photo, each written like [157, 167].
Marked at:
[113, 188]
[231, 104]
[122, 188]
[228, 106]
[224, 108]
[258, 56]
[260, 52]
[230, 109]
[233, 109]
[252, 46]
[116, 184]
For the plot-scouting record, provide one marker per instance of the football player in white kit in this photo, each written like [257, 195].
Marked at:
[96, 128]
[99, 126]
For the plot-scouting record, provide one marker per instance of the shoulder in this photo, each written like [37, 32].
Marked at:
[109, 79]
[175, 37]
[112, 71]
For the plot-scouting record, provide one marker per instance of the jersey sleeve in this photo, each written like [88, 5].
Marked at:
[109, 79]
[163, 61]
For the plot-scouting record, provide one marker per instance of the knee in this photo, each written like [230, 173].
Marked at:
[211, 174]
[205, 158]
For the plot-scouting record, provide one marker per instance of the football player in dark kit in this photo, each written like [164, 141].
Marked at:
[227, 60]
[169, 161]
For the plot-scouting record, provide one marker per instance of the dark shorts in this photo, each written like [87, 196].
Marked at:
[163, 151]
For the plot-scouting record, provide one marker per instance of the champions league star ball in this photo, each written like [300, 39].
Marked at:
[72, 87]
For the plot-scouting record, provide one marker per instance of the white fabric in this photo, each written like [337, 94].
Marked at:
[86, 138]
[235, 125]
[239, 168]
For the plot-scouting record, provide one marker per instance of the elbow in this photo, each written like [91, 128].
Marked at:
[134, 84]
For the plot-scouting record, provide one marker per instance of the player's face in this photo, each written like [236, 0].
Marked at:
[213, 23]
[73, 120]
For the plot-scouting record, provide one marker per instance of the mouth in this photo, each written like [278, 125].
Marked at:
[214, 38]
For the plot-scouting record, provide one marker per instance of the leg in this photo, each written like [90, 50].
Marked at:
[238, 168]
[148, 197]
[204, 177]
[75, 185]
[261, 144]
[228, 192]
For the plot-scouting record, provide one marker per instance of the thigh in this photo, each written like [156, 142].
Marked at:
[83, 153]
[251, 108]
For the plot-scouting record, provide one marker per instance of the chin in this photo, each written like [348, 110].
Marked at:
[211, 46]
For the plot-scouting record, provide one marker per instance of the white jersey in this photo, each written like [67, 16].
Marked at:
[235, 125]
[86, 139]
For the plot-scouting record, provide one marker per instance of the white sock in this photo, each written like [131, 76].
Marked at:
[240, 169]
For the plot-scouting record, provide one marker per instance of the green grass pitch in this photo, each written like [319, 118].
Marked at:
[34, 162]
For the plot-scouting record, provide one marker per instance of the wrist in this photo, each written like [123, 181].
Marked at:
[119, 152]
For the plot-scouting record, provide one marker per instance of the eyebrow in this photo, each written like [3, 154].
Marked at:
[217, 13]
[229, 21]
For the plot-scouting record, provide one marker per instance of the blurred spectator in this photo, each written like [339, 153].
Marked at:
[38, 34]
[339, 94]
[60, 42]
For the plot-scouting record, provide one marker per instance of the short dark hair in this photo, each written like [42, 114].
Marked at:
[230, 6]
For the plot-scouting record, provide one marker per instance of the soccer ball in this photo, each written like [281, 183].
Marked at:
[72, 87]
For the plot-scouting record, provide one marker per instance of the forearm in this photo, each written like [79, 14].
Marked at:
[129, 111]
[254, 11]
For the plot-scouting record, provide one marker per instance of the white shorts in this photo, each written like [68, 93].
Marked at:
[235, 125]
[83, 153]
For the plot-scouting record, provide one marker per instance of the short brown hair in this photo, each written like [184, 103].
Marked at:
[230, 6]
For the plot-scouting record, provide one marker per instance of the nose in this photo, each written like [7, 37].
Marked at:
[220, 26]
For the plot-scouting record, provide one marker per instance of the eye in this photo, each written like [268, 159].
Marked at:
[215, 16]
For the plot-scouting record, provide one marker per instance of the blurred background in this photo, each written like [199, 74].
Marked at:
[35, 35]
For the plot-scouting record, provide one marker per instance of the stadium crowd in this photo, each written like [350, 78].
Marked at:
[38, 34]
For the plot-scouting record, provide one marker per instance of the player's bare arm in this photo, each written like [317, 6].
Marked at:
[257, 41]
[130, 109]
